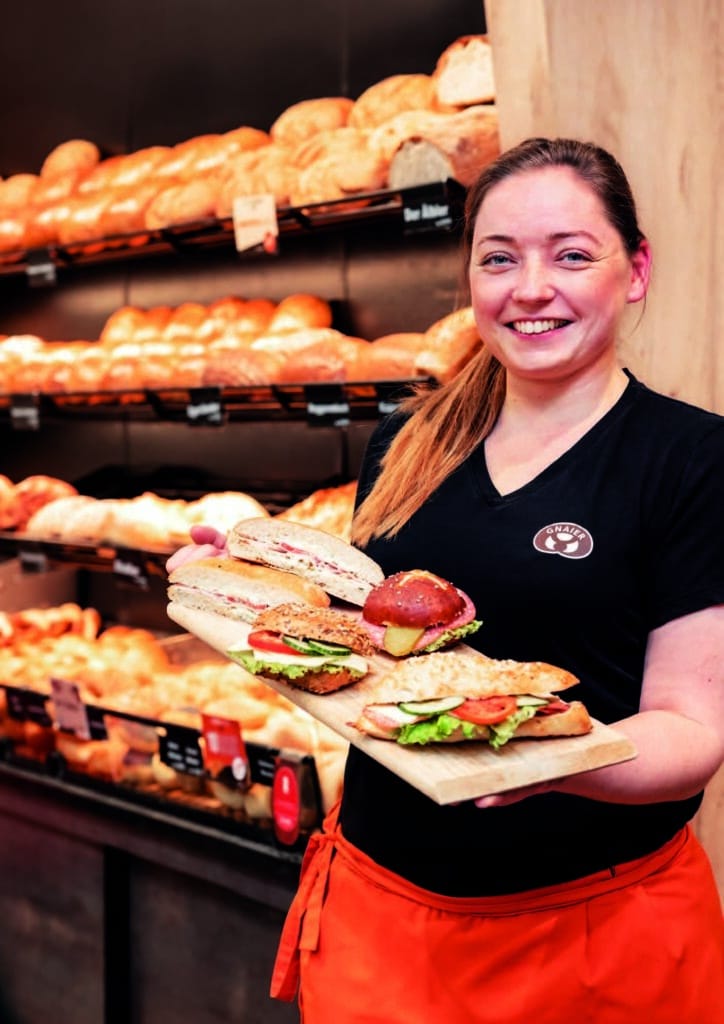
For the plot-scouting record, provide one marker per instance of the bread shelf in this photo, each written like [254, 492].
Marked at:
[425, 208]
[319, 404]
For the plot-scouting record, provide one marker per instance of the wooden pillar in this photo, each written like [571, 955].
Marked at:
[644, 79]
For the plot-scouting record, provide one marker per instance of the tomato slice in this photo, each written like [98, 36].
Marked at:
[485, 710]
[265, 640]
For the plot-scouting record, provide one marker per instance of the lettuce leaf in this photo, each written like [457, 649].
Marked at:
[505, 730]
[451, 636]
[257, 666]
[434, 730]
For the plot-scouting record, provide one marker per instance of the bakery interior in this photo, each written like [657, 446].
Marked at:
[166, 361]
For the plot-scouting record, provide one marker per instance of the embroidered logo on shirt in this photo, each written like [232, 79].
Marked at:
[565, 539]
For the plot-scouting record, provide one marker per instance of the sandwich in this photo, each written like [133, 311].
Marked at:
[457, 695]
[417, 612]
[239, 590]
[331, 563]
[315, 649]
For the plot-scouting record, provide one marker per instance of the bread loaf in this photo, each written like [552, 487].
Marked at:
[455, 146]
[75, 157]
[463, 74]
[305, 119]
[182, 202]
[450, 343]
[390, 96]
[300, 310]
[326, 360]
[267, 170]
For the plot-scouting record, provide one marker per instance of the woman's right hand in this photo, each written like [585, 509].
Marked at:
[207, 543]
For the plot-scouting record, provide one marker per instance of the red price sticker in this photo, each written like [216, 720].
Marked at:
[225, 747]
[286, 803]
[255, 222]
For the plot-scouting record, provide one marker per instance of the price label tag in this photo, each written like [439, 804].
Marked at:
[255, 222]
[129, 568]
[224, 747]
[205, 407]
[286, 802]
[32, 561]
[180, 749]
[327, 405]
[28, 706]
[262, 763]
[426, 211]
[40, 269]
[25, 412]
[70, 711]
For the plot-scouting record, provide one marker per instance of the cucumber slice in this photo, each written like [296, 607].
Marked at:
[526, 700]
[431, 707]
[327, 647]
[298, 645]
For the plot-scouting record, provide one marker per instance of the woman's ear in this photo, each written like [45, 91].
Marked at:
[640, 272]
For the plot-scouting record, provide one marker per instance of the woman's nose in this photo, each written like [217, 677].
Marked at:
[533, 282]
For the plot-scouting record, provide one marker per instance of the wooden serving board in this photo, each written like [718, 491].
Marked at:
[445, 773]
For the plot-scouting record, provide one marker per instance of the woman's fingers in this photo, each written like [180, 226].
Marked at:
[191, 553]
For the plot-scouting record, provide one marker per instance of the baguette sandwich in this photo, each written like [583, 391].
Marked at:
[456, 695]
[239, 590]
[314, 649]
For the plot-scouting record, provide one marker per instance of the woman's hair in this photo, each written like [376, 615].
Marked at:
[446, 424]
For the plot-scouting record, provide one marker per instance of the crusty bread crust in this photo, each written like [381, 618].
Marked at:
[467, 672]
[318, 624]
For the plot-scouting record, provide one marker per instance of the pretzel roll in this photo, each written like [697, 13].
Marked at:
[326, 360]
[121, 326]
[300, 310]
[180, 203]
[390, 96]
[15, 192]
[304, 119]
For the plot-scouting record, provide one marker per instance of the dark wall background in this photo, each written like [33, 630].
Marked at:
[146, 72]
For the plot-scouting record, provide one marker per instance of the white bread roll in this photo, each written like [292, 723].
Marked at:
[335, 566]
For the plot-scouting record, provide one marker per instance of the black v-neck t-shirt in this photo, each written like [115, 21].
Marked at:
[619, 535]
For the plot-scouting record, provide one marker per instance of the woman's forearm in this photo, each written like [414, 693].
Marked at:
[676, 757]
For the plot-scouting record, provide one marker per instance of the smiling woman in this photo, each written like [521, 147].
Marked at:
[579, 510]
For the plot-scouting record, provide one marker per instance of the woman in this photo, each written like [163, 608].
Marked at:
[587, 899]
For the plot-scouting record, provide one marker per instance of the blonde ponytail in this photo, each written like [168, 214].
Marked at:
[445, 426]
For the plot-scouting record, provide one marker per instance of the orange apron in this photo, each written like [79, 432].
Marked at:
[642, 943]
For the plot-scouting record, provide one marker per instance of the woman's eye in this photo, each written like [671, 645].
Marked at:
[574, 256]
[495, 259]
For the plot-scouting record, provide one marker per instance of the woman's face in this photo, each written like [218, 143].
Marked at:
[549, 275]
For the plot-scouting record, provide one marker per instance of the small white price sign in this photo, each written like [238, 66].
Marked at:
[70, 711]
[255, 222]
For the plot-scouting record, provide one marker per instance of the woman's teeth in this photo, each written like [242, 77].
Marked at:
[537, 326]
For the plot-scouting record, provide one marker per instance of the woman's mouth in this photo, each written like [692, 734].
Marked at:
[537, 326]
